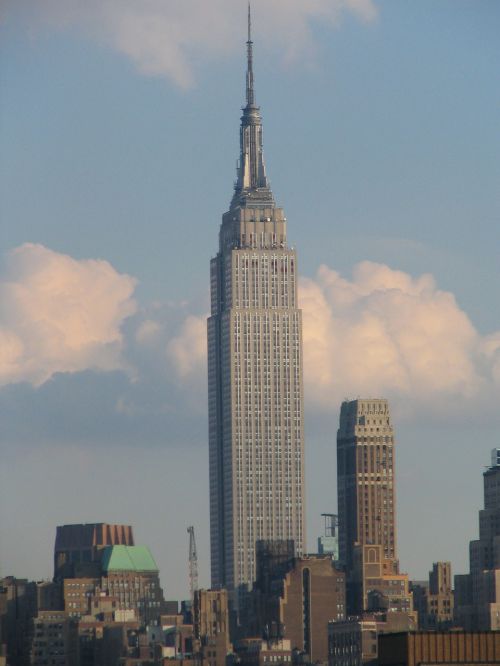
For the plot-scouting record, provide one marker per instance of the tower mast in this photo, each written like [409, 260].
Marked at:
[250, 90]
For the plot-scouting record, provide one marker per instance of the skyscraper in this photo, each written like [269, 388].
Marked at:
[256, 432]
[366, 507]
[477, 594]
[365, 478]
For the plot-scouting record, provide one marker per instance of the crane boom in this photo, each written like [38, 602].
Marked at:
[193, 563]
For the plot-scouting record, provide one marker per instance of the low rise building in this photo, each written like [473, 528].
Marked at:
[55, 640]
[211, 626]
[258, 652]
[434, 600]
[435, 647]
[49, 595]
[354, 642]
[77, 595]
[377, 583]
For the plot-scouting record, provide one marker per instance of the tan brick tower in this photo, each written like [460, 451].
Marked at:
[365, 478]
[366, 508]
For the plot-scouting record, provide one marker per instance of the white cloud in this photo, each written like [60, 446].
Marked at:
[388, 334]
[59, 314]
[166, 37]
[188, 350]
[383, 333]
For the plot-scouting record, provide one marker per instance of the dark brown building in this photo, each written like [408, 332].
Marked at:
[77, 547]
[55, 640]
[452, 648]
[297, 604]
[3, 615]
[19, 600]
[77, 594]
[49, 595]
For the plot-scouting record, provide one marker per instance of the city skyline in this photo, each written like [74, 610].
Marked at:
[382, 142]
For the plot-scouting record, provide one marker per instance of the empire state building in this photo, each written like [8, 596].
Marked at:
[256, 413]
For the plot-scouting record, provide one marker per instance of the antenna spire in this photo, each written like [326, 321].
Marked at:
[250, 90]
[252, 187]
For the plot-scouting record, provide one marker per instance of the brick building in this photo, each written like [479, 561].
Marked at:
[77, 595]
[211, 626]
[354, 642]
[130, 575]
[55, 640]
[448, 648]
[295, 599]
[19, 601]
[78, 547]
[434, 601]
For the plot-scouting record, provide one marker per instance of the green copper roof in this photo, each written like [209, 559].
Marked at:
[128, 558]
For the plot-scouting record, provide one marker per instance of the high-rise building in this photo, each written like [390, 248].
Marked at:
[256, 431]
[365, 478]
[366, 506]
[477, 594]
[78, 547]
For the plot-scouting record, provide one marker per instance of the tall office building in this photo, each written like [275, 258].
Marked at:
[366, 508]
[477, 594]
[256, 433]
[365, 478]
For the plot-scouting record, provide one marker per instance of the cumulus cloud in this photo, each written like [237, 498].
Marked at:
[59, 314]
[380, 333]
[386, 333]
[166, 37]
[188, 350]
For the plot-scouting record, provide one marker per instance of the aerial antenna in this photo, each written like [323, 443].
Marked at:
[250, 92]
[193, 563]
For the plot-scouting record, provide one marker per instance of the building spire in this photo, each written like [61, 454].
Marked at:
[251, 187]
[250, 90]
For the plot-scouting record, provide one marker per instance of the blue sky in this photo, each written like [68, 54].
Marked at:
[382, 144]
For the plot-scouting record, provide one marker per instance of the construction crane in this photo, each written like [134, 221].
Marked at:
[193, 563]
